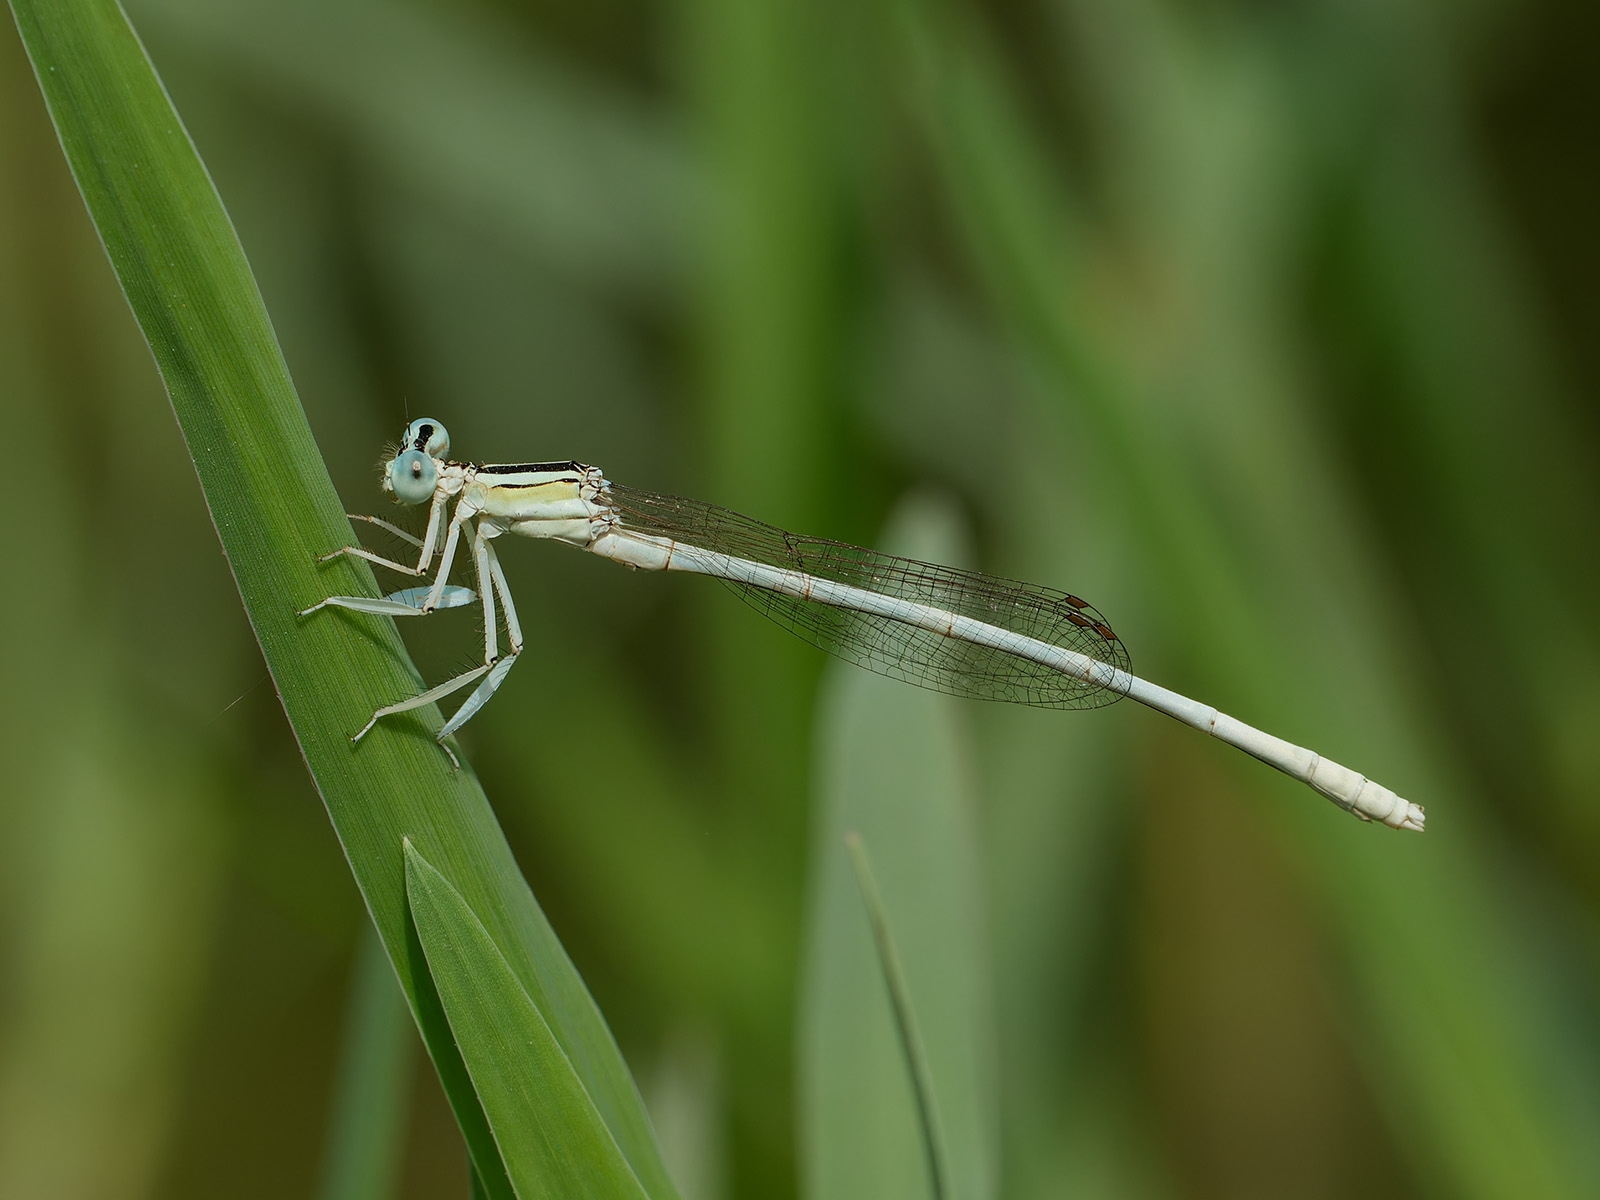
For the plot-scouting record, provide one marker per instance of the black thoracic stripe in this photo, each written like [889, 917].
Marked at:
[517, 468]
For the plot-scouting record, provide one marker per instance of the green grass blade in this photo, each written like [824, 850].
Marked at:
[191, 290]
[552, 1140]
[1452, 1043]
[365, 1135]
[905, 1019]
[893, 766]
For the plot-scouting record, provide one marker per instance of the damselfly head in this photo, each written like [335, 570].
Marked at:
[409, 470]
[427, 435]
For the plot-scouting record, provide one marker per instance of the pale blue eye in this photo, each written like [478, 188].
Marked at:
[427, 435]
[413, 477]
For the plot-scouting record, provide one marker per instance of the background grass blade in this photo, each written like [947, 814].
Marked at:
[1228, 454]
[191, 290]
[905, 1020]
[894, 766]
[366, 1134]
[552, 1139]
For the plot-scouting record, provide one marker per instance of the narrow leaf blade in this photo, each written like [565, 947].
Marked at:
[552, 1139]
[893, 767]
[366, 1135]
[185, 276]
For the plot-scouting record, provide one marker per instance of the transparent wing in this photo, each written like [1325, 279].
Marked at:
[889, 647]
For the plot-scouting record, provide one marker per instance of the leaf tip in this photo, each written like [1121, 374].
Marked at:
[415, 863]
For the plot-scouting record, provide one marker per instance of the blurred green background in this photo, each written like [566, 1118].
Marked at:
[1269, 328]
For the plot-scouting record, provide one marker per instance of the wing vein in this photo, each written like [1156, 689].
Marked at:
[882, 644]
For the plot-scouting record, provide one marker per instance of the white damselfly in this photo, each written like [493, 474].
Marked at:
[954, 631]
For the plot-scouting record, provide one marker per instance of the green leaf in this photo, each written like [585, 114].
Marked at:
[905, 1020]
[894, 766]
[552, 1139]
[367, 1130]
[1451, 1041]
[185, 276]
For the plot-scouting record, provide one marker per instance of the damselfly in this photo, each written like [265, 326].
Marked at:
[955, 631]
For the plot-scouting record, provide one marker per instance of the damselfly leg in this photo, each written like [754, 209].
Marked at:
[420, 601]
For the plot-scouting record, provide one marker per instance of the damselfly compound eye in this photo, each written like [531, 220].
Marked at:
[413, 477]
[427, 435]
